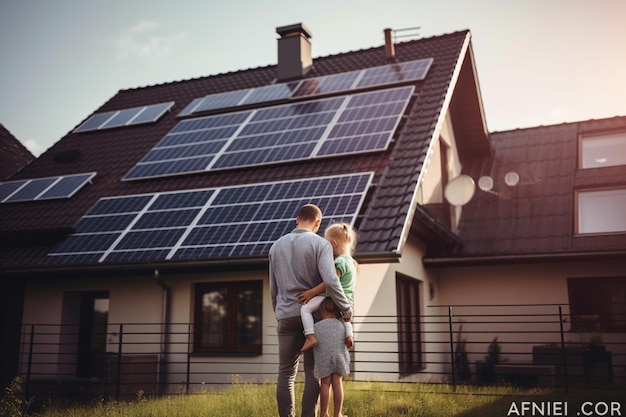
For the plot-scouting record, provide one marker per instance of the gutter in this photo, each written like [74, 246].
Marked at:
[146, 268]
[165, 324]
[508, 259]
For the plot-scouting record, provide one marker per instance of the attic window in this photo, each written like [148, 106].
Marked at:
[604, 150]
[48, 188]
[601, 211]
[126, 117]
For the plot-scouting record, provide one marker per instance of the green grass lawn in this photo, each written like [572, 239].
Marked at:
[361, 399]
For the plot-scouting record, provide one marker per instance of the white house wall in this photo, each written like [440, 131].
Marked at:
[376, 337]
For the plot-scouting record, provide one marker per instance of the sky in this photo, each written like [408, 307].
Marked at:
[539, 62]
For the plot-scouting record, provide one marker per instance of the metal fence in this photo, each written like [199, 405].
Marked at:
[527, 345]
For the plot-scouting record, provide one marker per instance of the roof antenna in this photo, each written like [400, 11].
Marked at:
[415, 34]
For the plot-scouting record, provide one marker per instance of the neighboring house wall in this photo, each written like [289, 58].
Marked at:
[540, 287]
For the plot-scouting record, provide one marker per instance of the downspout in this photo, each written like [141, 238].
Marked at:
[165, 320]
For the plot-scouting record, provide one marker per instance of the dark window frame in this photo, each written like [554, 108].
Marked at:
[410, 355]
[597, 304]
[233, 343]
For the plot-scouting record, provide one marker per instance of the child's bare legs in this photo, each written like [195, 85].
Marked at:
[309, 342]
[325, 395]
[336, 381]
[306, 312]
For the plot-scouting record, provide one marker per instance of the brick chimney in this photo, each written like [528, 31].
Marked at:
[390, 49]
[294, 52]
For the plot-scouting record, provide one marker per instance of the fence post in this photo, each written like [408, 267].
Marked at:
[188, 375]
[563, 356]
[452, 361]
[119, 363]
[30, 360]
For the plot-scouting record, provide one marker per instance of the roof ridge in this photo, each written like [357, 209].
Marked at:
[263, 67]
[578, 122]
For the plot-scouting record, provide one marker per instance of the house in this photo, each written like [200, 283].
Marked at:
[145, 230]
[13, 155]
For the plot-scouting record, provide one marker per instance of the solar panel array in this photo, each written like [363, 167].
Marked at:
[206, 223]
[126, 117]
[356, 123]
[64, 186]
[346, 81]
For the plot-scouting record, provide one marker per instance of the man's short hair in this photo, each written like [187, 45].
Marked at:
[310, 213]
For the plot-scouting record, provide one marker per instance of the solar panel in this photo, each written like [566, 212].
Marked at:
[95, 121]
[269, 93]
[367, 123]
[207, 223]
[221, 100]
[8, 188]
[362, 122]
[327, 84]
[120, 118]
[43, 188]
[151, 114]
[67, 186]
[395, 73]
[125, 117]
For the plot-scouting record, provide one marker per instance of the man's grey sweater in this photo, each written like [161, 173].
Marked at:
[300, 261]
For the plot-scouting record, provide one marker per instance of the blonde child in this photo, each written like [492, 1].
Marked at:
[332, 359]
[342, 237]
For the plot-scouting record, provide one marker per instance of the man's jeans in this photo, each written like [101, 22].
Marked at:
[290, 341]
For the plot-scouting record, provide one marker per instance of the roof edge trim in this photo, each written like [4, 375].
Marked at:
[508, 259]
[406, 228]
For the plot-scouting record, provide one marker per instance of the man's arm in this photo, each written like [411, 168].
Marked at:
[273, 288]
[327, 270]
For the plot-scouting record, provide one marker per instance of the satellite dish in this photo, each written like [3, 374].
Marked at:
[485, 183]
[460, 190]
[511, 179]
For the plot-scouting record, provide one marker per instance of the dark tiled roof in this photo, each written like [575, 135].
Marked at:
[112, 153]
[13, 155]
[536, 217]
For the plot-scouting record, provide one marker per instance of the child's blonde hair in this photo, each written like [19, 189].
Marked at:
[343, 233]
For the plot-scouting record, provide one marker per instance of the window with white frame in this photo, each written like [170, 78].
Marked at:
[601, 211]
[604, 150]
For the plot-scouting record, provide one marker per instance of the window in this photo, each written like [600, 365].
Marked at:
[601, 211]
[409, 335]
[92, 333]
[603, 150]
[228, 317]
[597, 304]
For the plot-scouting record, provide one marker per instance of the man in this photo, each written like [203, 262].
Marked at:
[299, 261]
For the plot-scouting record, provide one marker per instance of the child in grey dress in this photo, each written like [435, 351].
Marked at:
[332, 359]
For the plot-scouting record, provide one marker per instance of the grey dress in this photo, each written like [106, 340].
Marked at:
[331, 354]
